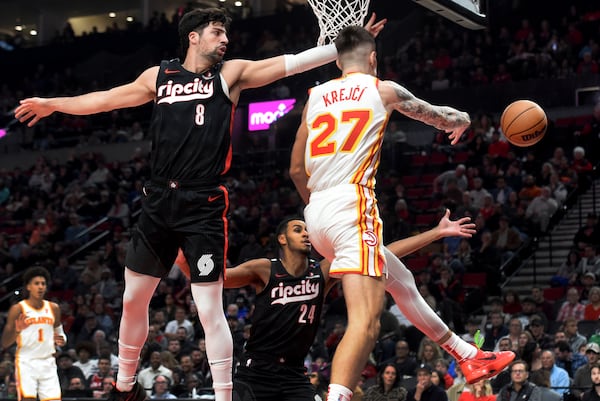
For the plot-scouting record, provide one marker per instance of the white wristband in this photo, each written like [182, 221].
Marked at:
[59, 330]
[309, 59]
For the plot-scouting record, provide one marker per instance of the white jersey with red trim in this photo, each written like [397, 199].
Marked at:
[36, 341]
[346, 120]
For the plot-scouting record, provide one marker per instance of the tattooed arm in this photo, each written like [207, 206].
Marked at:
[443, 118]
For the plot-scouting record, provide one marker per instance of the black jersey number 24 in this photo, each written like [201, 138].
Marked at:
[307, 314]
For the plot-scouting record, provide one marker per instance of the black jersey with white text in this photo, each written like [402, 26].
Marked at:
[287, 314]
[191, 124]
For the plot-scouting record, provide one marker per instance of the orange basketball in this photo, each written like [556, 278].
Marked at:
[523, 123]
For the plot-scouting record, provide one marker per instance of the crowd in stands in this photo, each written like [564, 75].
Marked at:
[46, 212]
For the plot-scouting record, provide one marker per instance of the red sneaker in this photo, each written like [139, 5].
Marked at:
[485, 365]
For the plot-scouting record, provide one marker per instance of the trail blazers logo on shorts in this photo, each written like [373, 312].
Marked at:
[205, 265]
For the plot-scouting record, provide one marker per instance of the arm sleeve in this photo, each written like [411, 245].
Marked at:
[309, 59]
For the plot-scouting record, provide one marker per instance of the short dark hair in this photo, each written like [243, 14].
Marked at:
[283, 225]
[352, 37]
[519, 362]
[199, 19]
[563, 346]
[540, 377]
[35, 271]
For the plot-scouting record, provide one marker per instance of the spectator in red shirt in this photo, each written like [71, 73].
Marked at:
[441, 366]
[502, 75]
[497, 148]
[574, 36]
[524, 31]
[587, 65]
[592, 308]
[479, 77]
[442, 60]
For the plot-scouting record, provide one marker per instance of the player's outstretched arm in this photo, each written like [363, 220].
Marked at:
[445, 228]
[254, 74]
[255, 272]
[136, 93]
[443, 118]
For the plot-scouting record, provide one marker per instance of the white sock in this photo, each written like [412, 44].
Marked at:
[128, 363]
[459, 348]
[337, 392]
[220, 371]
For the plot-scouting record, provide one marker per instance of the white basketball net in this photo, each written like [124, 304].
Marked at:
[335, 15]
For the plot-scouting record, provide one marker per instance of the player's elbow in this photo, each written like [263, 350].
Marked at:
[6, 343]
[297, 175]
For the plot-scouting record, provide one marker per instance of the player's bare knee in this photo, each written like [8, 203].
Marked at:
[373, 330]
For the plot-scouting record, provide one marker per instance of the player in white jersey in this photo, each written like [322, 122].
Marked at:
[334, 163]
[34, 324]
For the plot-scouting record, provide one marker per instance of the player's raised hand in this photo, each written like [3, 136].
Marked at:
[375, 27]
[32, 110]
[456, 228]
[456, 133]
[20, 323]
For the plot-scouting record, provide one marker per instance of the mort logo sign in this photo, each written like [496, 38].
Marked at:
[262, 114]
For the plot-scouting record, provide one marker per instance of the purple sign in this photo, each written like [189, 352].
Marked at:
[2, 132]
[262, 114]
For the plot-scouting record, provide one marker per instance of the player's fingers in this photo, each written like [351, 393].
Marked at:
[380, 24]
[34, 121]
[455, 138]
[18, 111]
[21, 112]
[370, 22]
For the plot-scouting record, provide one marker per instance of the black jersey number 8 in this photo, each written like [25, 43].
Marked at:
[307, 315]
[199, 114]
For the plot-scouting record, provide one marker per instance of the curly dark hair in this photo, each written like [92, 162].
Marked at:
[199, 19]
[35, 271]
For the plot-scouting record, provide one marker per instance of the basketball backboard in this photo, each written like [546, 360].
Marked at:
[466, 13]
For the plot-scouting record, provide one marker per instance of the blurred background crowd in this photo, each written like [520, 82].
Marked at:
[73, 214]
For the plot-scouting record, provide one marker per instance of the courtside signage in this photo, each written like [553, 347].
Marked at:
[262, 114]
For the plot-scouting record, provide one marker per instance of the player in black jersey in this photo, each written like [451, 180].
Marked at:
[289, 296]
[290, 292]
[184, 206]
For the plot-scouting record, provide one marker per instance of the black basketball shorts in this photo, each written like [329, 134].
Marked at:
[174, 217]
[257, 380]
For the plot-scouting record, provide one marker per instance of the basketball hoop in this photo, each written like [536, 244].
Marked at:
[334, 15]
